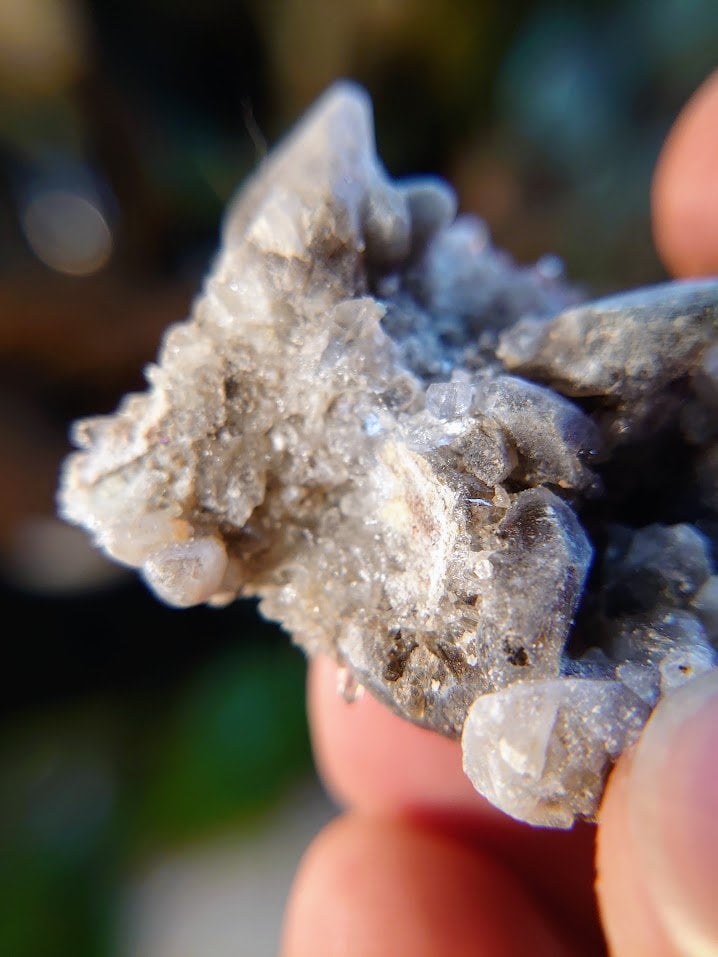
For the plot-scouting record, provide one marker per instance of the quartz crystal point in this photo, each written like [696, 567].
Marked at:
[495, 506]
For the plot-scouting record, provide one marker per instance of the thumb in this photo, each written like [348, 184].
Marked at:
[658, 838]
[685, 187]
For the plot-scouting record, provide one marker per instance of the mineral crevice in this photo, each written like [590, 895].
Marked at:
[497, 506]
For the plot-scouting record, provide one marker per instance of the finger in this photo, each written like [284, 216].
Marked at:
[373, 761]
[658, 847]
[629, 918]
[685, 188]
[397, 890]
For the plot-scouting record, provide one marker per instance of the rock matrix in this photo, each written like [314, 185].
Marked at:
[495, 504]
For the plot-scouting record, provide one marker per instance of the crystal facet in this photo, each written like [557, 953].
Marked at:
[494, 505]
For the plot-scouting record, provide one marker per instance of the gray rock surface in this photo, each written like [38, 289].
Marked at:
[479, 496]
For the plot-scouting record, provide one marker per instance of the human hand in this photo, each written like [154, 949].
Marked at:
[420, 865]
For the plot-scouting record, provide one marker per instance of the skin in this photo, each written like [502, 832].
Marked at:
[418, 864]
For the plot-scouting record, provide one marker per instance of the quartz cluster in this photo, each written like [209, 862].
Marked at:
[496, 505]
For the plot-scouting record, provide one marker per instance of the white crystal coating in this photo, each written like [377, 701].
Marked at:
[406, 446]
[541, 749]
[449, 400]
[187, 574]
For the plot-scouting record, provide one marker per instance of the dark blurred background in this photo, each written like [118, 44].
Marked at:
[130, 731]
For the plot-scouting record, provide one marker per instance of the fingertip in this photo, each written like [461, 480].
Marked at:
[673, 813]
[387, 887]
[627, 915]
[658, 837]
[685, 188]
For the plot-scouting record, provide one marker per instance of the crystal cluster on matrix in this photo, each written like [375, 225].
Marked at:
[495, 505]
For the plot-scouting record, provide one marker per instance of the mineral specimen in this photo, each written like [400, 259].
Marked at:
[496, 506]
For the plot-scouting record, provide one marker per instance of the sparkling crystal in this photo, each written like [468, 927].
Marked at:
[496, 508]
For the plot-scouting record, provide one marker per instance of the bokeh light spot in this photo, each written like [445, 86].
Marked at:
[67, 231]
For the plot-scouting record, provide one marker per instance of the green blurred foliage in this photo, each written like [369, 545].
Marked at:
[87, 792]
[237, 738]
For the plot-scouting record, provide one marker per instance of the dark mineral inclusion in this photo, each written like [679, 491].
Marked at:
[495, 505]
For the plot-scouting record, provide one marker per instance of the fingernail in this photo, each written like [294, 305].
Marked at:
[673, 808]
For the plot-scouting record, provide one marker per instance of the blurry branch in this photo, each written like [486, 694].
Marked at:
[97, 330]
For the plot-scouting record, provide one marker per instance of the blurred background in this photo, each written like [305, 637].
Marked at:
[156, 788]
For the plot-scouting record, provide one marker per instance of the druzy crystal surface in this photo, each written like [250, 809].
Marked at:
[496, 505]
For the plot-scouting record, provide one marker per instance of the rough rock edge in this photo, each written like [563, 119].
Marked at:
[422, 533]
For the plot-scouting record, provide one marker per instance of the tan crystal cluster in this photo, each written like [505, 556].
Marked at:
[412, 450]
